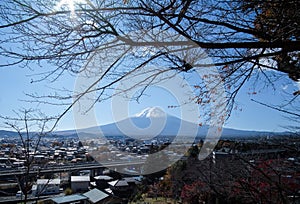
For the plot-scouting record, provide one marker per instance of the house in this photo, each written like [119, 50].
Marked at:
[132, 180]
[76, 198]
[80, 183]
[46, 187]
[120, 188]
[102, 181]
[96, 196]
[40, 159]
[4, 160]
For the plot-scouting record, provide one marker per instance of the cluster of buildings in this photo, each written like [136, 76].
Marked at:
[14, 155]
[65, 187]
[87, 190]
[105, 186]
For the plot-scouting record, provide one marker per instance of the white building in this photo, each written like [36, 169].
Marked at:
[46, 187]
[80, 183]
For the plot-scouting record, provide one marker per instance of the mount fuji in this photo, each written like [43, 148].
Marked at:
[154, 120]
[150, 121]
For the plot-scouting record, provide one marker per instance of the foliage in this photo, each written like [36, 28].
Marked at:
[194, 193]
[231, 179]
[193, 152]
[155, 163]
[68, 191]
[278, 21]
[269, 182]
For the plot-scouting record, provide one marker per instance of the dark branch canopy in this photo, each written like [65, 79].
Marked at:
[244, 38]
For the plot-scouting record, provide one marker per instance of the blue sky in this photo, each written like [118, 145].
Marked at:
[15, 82]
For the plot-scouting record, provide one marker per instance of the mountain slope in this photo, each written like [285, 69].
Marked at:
[149, 123]
[155, 120]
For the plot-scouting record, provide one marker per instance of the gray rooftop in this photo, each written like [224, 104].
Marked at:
[48, 181]
[118, 183]
[95, 195]
[103, 177]
[80, 178]
[68, 199]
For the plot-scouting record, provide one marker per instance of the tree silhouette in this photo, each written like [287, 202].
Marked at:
[26, 123]
[245, 39]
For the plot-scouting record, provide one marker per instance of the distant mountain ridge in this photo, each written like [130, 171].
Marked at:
[6, 133]
[142, 122]
[151, 120]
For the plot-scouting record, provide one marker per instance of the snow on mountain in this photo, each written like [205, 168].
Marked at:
[151, 121]
[151, 112]
[154, 121]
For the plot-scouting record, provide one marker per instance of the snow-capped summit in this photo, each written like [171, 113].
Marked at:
[154, 121]
[151, 112]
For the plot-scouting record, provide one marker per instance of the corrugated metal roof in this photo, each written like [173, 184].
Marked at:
[69, 199]
[95, 195]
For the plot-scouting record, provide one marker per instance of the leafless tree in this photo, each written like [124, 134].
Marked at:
[26, 123]
[246, 39]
